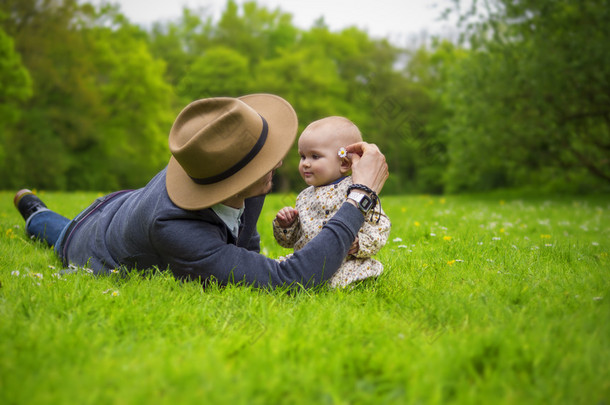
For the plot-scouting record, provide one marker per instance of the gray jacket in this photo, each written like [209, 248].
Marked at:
[143, 229]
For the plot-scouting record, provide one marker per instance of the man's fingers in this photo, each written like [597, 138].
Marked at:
[356, 148]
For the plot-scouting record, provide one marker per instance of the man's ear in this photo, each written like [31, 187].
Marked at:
[346, 165]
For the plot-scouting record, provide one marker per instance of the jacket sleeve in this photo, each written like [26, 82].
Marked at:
[249, 237]
[199, 250]
[373, 235]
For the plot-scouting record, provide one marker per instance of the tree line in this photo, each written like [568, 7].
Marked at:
[521, 99]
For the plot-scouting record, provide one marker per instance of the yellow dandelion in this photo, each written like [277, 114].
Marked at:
[501, 230]
[9, 233]
[451, 262]
[442, 201]
[447, 237]
[544, 236]
[403, 210]
[416, 223]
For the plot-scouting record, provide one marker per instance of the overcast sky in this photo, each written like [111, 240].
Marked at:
[398, 20]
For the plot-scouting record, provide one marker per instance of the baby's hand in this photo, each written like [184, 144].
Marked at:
[354, 248]
[286, 217]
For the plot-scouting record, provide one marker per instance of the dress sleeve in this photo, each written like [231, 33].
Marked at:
[373, 235]
[287, 237]
[198, 250]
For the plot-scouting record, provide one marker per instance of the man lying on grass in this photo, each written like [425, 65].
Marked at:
[198, 216]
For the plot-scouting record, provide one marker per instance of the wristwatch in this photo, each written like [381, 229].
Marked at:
[363, 201]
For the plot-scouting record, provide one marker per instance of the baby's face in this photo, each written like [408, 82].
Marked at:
[320, 163]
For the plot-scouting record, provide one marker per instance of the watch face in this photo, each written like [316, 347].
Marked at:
[365, 203]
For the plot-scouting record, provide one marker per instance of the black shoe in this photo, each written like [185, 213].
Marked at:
[27, 203]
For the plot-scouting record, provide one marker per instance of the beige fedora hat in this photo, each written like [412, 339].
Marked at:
[222, 145]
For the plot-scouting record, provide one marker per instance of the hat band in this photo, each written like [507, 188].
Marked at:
[239, 165]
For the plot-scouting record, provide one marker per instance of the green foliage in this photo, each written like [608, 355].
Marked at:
[319, 72]
[486, 299]
[100, 109]
[179, 43]
[533, 97]
[137, 110]
[88, 98]
[220, 70]
[257, 32]
[15, 82]
[15, 88]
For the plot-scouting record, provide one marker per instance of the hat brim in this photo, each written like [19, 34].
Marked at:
[283, 123]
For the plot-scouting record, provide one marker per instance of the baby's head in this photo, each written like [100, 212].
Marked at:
[319, 147]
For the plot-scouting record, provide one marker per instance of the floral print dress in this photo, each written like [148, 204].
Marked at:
[317, 205]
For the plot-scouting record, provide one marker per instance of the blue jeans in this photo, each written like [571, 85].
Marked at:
[48, 226]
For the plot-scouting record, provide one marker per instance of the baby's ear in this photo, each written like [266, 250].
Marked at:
[346, 165]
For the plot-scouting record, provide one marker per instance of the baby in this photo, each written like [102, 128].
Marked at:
[325, 167]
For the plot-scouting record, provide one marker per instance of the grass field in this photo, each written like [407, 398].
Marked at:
[485, 299]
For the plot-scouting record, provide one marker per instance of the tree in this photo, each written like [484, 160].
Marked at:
[101, 109]
[311, 84]
[15, 88]
[532, 101]
[257, 33]
[56, 114]
[180, 43]
[137, 112]
[219, 71]
[424, 141]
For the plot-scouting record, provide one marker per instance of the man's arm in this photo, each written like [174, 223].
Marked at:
[249, 237]
[208, 255]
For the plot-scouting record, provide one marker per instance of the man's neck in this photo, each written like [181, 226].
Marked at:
[236, 202]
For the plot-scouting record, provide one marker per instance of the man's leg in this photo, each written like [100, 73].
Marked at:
[40, 221]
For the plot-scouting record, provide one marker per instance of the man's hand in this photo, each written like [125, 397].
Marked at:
[286, 217]
[368, 165]
[354, 248]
